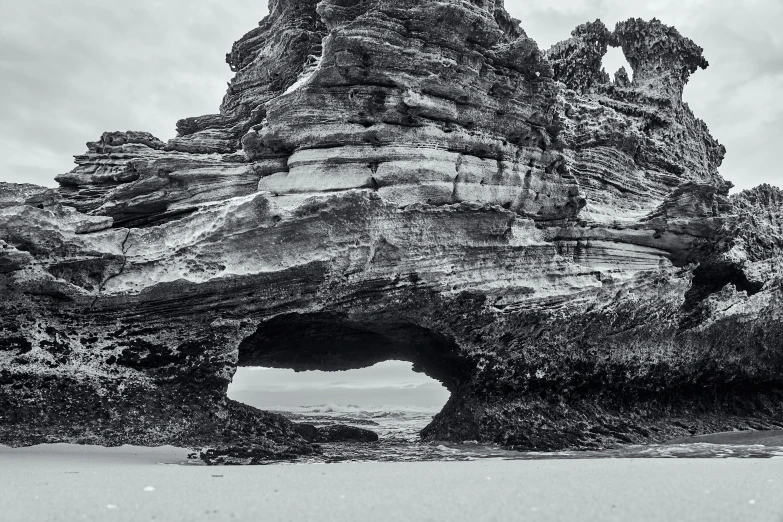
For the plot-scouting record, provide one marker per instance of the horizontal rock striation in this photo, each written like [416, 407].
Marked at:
[409, 180]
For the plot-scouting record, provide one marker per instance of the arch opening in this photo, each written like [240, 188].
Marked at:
[613, 61]
[390, 385]
[388, 376]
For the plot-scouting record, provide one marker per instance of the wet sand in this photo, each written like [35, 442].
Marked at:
[762, 438]
[67, 483]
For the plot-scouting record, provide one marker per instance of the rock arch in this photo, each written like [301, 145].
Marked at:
[441, 191]
[333, 342]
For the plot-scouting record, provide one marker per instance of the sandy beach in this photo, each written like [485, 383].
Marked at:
[68, 483]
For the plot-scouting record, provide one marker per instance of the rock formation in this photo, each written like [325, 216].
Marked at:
[408, 180]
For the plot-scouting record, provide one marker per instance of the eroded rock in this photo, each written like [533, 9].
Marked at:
[577, 62]
[335, 433]
[415, 181]
[661, 58]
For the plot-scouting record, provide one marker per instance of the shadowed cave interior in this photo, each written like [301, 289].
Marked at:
[368, 363]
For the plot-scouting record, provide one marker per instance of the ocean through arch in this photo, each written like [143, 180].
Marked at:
[348, 409]
[389, 377]
[386, 385]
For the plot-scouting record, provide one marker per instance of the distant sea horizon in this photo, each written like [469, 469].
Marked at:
[390, 385]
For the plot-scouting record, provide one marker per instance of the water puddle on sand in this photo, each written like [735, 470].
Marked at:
[398, 429]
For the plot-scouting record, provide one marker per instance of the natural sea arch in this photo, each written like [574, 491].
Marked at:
[326, 342]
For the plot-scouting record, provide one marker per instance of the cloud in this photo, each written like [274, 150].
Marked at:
[386, 375]
[390, 382]
[73, 70]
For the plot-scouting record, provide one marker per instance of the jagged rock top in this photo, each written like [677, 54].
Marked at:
[661, 58]
[453, 103]
[577, 61]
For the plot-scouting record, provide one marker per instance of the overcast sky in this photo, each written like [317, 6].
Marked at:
[391, 383]
[72, 69]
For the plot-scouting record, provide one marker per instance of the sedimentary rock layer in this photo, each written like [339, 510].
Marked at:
[412, 181]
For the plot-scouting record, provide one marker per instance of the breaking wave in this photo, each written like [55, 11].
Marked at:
[398, 429]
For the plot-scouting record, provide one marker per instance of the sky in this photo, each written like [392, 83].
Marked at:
[388, 384]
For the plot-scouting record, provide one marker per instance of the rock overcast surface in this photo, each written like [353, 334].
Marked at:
[410, 180]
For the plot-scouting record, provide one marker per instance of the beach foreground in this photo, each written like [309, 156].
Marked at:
[68, 483]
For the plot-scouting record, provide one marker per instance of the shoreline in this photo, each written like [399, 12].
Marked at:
[65, 483]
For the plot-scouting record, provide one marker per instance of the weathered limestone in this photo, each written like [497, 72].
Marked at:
[577, 62]
[662, 60]
[412, 180]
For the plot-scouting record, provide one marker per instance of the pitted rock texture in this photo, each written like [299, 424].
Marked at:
[408, 180]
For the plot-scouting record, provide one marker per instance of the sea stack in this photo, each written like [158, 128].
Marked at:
[414, 180]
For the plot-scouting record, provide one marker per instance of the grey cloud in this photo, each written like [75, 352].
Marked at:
[387, 383]
[75, 69]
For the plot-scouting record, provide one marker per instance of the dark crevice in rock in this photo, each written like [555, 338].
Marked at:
[118, 273]
[710, 278]
[154, 219]
[332, 342]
